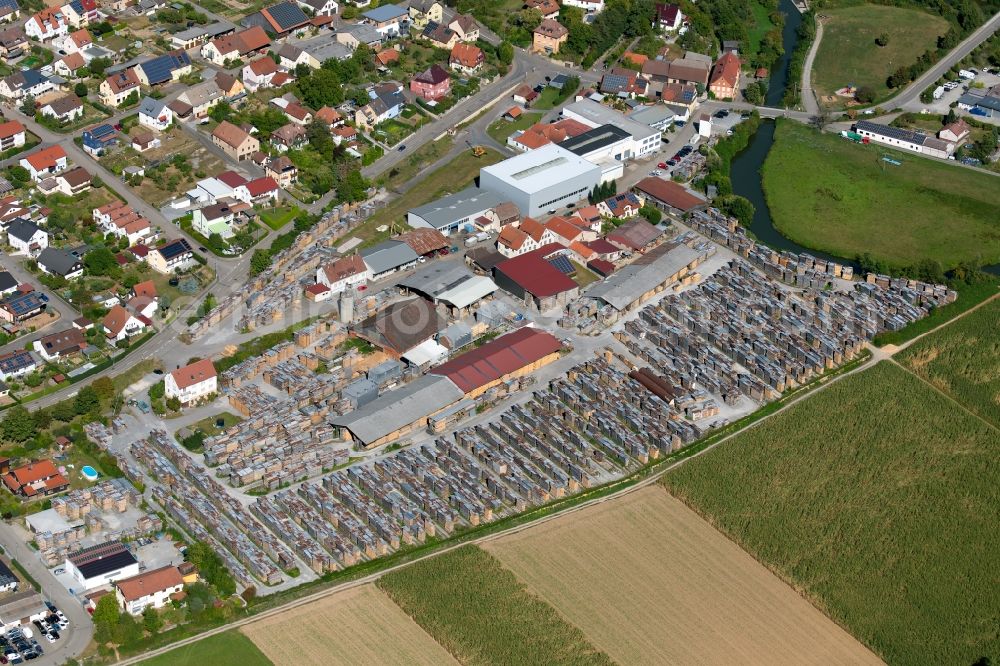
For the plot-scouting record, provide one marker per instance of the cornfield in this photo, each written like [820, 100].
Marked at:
[482, 614]
[963, 360]
[878, 499]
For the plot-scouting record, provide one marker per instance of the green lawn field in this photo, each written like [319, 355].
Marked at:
[230, 648]
[830, 194]
[482, 614]
[877, 499]
[963, 360]
[849, 55]
[762, 25]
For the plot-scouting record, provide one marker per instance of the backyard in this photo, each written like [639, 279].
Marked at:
[833, 195]
[500, 129]
[848, 54]
[276, 218]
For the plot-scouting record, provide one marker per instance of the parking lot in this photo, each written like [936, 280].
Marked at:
[24, 643]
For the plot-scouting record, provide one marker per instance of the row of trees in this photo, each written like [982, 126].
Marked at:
[20, 425]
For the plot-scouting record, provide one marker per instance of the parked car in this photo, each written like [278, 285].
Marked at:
[662, 165]
[402, 148]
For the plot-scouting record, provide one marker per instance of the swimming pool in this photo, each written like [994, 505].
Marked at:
[89, 473]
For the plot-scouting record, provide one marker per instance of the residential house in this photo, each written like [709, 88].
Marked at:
[120, 324]
[231, 86]
[388, 20]
[386, 57]
[237, 46]
[116, 88]
[69, 66]
[424, 11]
[281, 20]
[144, 298]
[686, 70]
[258, 74]
[74, 42]
[355, 34]
[45, 162]
[58, 345]
[24, 83]
[387, 103]
[234, 141]
[21, 307]
[297, 113]
[155, 114]
[668, 17]
[622, 206]
[46, 24]
[258, 191]
[549, 9]
[440, 36]
[39, 477]
[12, 42]
[173, 256]
[344, 133]
[199, 99]
[623, 83]
[466, 58]
[525, 94]
[432, 84]
[287, 137]
[529, 236]
[589, 7]
[192, 382]
[466, 27]
[320, 7]
[164, 69]
[329, 117]
[541, 134]
[150, 589]
[724, 81]
[8, 284]
[215, 219]
[80, 13]
[12, 135]
[956, 132]
[9, 11]
[343, 273]
[99, 138]
[65, 109]
[59, 263]
[281, 170]
[548, 37]
[26, 237]
[74, 181]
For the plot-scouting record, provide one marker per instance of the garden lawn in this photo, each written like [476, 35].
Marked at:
[830, 194]
[279, 217]
[877, 499]
[230, 648]
[500, 129]
[849, 55]
[963, 360]
[481, 613]
[762, 25]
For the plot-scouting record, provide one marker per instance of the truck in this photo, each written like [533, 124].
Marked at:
[938, 92]
[979, 111]
[967, 74]
[482, 236]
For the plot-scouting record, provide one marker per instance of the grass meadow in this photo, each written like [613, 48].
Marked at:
[963, 360]
[876, 498]
[849, 55]
[830, 194]
[482, 614]
[230, 648]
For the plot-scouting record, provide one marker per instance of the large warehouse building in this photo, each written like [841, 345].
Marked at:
[645, 139]
[455, 211]
[541, 180]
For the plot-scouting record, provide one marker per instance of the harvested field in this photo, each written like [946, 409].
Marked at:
[358, 626]
[648, 581]
[963, 360]
[482, 614]
[877, 498]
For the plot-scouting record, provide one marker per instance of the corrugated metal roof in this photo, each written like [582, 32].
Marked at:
[623, 288]
[397, 409]
[503, 356]
[536, 275]
[388, 256]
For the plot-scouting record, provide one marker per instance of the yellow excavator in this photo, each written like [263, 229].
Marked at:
[477, 151]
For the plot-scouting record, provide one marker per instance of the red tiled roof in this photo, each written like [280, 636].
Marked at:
[498, 358]
[195, 373]
[260, 186]
[46, 158]
[669, 193]
[10, 128]
[149, 583]
[34, 471]
[536, 275]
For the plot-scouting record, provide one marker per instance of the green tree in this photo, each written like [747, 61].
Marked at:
[260, 261]
[80, 89]
[173, 404]
[64, 411]
[28, 105]
[157, 390]
[100, 261]
[104, 387]
[353, 188]
[87, 401]
[212, 568]
[882, 39]
[106, 616]
[152, 621]
[738, 207]
[653, 215]
[98, 65]
[18, 425]
[505, 53]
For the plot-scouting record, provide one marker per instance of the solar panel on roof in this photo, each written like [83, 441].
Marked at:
[175, 249]
[287, 15]
[561, 263]
[16, 361]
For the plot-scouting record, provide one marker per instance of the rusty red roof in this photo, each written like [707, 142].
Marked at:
[498, 358]
[536, 275]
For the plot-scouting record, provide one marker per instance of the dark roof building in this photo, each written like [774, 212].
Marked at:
[402, 326]
[668, 195]
[533, 277]
[635, 234]
[102, 561]
[59, 262]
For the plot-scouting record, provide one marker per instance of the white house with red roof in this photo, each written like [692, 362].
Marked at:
[120, 324]
[74, 42]
[12, 135]
[343, 273]
[80, 13]
[258, 74]
[45, 162]
[46, 24]
[258, 191]
[192, 382]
